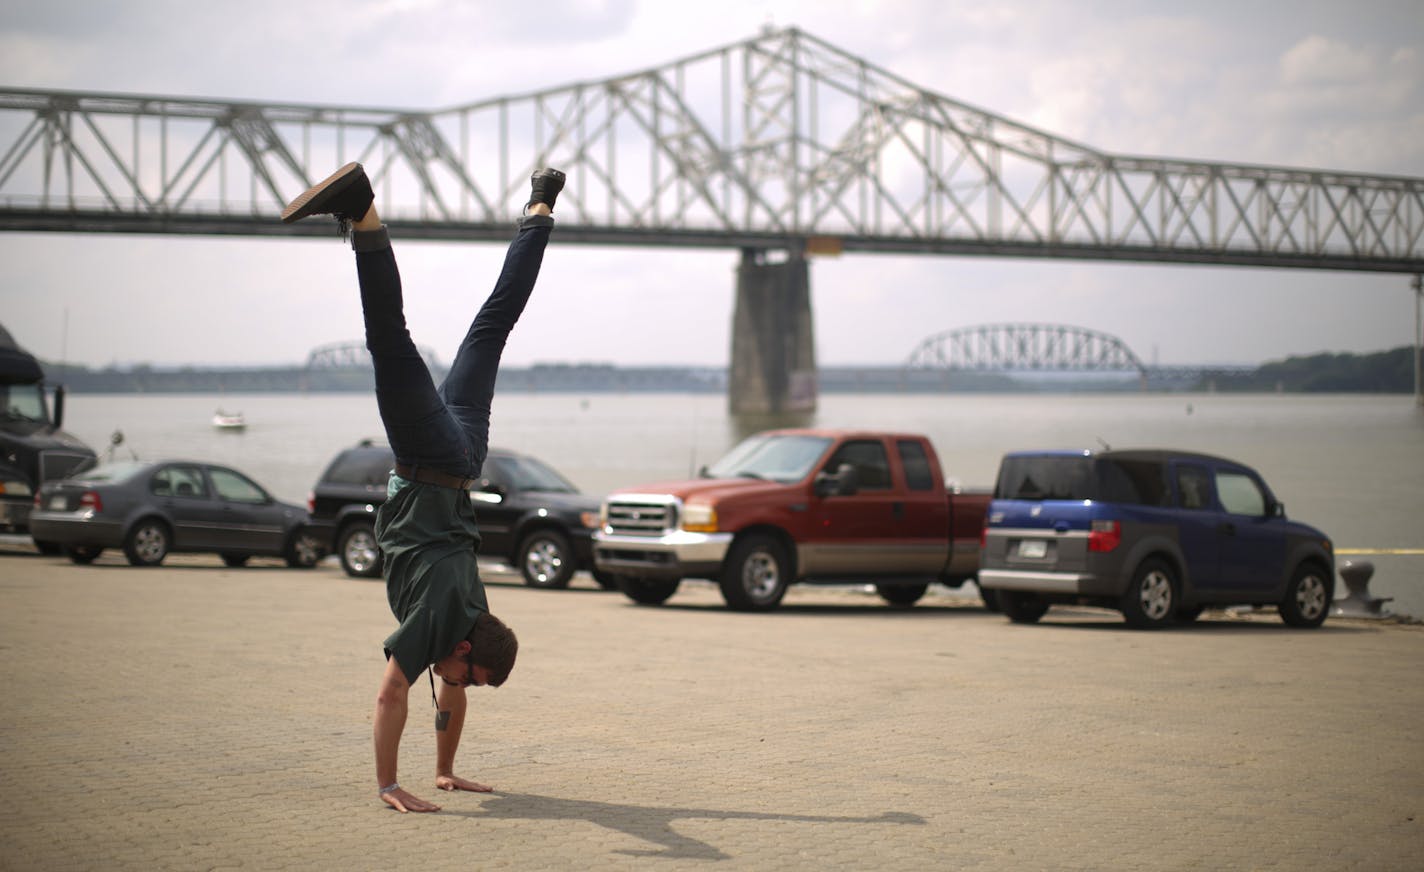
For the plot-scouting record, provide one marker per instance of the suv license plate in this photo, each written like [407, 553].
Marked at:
[1033, 548]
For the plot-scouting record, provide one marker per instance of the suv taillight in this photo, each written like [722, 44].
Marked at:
[1104, 536]
[91, 500]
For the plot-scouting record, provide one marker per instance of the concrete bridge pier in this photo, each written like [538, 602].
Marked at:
[773, 367]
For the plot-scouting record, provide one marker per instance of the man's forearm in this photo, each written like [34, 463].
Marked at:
[391, 706]
[447, 740]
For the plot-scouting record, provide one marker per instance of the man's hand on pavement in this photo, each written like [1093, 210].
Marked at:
[403, 801]
[455, 782]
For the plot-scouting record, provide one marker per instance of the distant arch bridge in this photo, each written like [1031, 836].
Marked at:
[1042, 348]
[354, 356]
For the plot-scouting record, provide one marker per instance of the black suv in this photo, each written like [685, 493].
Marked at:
[528, 514]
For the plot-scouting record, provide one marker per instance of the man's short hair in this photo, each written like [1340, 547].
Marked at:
[493, 646]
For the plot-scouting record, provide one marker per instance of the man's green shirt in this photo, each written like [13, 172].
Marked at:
[428, 536]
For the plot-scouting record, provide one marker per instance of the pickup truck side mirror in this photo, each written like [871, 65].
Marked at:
[843, 482]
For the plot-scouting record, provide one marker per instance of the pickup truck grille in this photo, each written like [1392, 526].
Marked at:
[641, 516]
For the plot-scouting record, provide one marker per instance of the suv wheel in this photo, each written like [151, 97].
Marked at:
[1151, 599]
[546, 559]
[1307, 599]
[1020, 607]
[360, 555]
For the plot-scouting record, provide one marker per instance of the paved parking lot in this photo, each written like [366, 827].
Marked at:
[200, 717]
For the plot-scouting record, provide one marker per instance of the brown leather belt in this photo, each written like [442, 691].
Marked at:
[427, 475]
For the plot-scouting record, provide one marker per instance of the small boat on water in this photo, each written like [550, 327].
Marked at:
[229, 420]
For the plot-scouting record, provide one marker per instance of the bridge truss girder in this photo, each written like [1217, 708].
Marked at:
[1025, 347]
[767, 143]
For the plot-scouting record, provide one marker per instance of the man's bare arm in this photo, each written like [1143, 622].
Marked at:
[447, 741]
[391, 703]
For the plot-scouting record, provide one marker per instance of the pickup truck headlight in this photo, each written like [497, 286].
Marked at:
[698, 518]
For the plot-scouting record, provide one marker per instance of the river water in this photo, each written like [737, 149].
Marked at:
[1352, 465]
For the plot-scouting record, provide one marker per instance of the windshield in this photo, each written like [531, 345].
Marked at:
[23, 403]
[776, 458]
[526, 473]
[117, 471]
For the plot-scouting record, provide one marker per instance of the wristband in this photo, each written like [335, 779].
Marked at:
[389, 788]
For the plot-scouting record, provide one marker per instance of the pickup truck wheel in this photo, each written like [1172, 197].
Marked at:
[546, 559]
[1151, 599]
[360, 555]
[755, 576]
[147, 543]
[901, 594]
[645, 591]
[1020, 607]
[1307, 599]
[83, 555]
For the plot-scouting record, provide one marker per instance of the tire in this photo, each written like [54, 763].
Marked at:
[83, 555]
[1020, 607]
[235, 560]
[646, 592]
[147, 543]
[1150, 601]
[606, 580]
[48, 549]
[756, 574]
[902, 595]
[1308, 596]
[1187, 614]
[546, 559]
[360, 554]
[990, 599]
[304, 550]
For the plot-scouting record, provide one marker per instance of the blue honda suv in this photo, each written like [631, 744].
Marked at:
[1157, 535]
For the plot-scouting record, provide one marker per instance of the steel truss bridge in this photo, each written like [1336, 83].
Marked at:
[778, 143]
[1044, 348]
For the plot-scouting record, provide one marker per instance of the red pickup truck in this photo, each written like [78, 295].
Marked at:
[796, 506]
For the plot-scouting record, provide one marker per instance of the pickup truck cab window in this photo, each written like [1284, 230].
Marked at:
[916, 464]
[872, 464]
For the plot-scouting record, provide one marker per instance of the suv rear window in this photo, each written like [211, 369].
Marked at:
[1044, 478]
[365, 466]
[1116, 480]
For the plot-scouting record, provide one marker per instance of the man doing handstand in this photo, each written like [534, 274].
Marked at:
[426, 528]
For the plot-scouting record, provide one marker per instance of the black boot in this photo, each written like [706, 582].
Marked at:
[346, 194]
[545, 186]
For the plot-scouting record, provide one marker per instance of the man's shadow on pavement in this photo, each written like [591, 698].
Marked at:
[649, 823]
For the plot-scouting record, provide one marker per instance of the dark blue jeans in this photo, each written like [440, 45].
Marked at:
[445, 428]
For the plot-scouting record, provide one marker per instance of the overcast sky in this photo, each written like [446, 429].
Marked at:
[1319, 84]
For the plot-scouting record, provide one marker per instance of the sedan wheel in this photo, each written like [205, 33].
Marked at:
[304, 551]
[84, 554]
[147, 543]
[546, 559]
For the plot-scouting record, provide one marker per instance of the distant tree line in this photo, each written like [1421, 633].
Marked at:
[1384, 372]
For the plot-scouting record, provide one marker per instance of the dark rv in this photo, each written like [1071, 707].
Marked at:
[33, 448]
